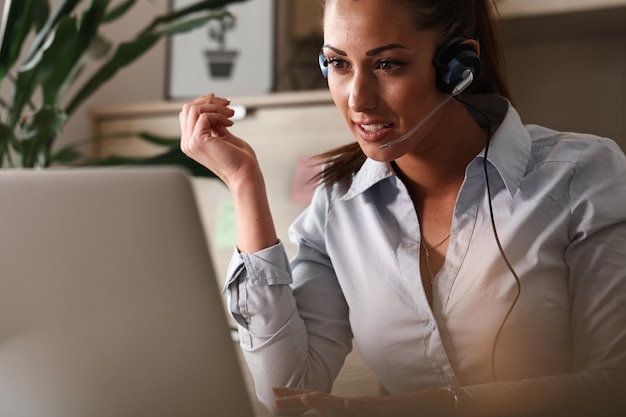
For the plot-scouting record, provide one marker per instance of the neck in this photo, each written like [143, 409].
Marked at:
[436, 167]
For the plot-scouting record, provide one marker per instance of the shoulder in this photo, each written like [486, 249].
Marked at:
[596, 180]
[578, 149]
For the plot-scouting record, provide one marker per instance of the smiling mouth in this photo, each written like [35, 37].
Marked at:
[374, 127]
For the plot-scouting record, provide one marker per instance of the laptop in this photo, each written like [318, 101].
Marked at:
[109, 306]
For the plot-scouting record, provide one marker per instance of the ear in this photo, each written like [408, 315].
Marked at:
[474, 44]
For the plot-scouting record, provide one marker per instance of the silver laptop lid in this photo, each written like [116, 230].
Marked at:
[108, 300]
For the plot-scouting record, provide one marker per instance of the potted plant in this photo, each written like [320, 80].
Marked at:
[42, 51]
[221, 60]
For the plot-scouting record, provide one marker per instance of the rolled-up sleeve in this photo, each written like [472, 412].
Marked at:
[256, 281]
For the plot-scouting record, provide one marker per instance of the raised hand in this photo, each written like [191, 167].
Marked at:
[205, 138]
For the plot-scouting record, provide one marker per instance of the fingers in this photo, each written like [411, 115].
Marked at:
[203, 120]
[327, 405]
[290, 398]
[298, 399]
[206, 115]
[205, 123]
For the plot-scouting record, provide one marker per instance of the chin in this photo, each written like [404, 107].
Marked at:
[373, 151]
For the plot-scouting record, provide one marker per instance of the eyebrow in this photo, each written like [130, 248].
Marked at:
[372, 52]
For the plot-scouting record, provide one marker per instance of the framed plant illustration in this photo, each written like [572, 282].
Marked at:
[230, 57]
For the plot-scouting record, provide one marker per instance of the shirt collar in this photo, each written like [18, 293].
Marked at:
[371, 172]
[509, 150]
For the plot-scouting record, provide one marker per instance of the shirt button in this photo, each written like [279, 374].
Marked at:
[432, 325]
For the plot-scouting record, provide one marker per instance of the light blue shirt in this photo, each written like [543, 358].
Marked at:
[559, 203]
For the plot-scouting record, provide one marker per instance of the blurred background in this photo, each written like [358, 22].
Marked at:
[566, 60]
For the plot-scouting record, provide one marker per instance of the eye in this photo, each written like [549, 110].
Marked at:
[338, 64]
[388, 65]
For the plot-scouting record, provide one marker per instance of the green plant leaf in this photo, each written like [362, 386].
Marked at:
[6, 138]
[17, 18]
[118, 11]
[51, 60]
[66, 155]
[171, 157]
[191, 24]
[90, 21]
[159, 140]
[24, 89]
[64, 9]
[62, 56]
[166, 142]
[81, 49]
[184, 12]
[57, 60]
[38, 134]
[41, 13]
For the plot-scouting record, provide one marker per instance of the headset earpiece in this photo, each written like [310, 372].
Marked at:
[452, 61]
[323, 61]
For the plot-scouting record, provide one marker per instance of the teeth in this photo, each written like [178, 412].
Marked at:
[373, 128]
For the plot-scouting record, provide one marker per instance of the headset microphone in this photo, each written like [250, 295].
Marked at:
[468, 77]
[457, 65]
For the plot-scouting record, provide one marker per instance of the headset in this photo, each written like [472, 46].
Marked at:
[457, 66]
[452, 61]
[323, 61]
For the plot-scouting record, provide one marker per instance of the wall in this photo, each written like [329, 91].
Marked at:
[569, 72]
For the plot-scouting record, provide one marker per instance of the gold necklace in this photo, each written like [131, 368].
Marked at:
[427, 255]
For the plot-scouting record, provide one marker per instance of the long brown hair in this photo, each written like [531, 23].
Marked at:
[475, 19]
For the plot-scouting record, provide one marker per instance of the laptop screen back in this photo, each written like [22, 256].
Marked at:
[108, 304]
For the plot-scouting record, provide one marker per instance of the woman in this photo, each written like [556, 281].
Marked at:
[477, 263]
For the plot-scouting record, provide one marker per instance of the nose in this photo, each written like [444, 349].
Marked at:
[363, 92]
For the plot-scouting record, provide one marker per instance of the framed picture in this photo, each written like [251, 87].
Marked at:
[230, 57]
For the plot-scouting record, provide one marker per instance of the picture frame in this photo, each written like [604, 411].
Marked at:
[230, 58]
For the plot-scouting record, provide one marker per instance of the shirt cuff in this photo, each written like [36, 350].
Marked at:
[266, 267]
[256, 273]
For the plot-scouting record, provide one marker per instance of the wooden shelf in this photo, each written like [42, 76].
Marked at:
[513, 9]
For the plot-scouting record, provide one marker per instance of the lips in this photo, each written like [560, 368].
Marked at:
[373, 132]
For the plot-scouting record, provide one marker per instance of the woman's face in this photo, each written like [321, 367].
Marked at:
[380, 73]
